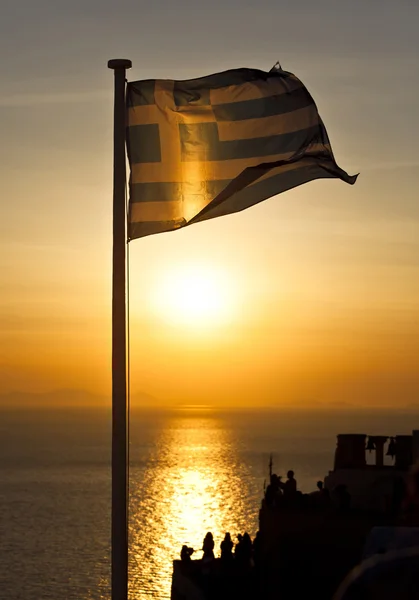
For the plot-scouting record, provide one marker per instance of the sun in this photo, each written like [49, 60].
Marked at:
[197, 295]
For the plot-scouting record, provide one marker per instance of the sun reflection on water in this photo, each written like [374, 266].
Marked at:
[193, 483]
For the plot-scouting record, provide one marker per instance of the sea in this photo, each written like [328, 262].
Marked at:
[192, 470]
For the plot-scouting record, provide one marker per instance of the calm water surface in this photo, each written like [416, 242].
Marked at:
[191, 472]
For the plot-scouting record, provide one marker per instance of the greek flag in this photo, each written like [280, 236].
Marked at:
[213, 146]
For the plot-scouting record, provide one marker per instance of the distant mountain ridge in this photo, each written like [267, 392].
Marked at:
[77, 398]
[67, 398]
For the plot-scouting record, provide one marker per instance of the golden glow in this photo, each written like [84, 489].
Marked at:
[194, 484]
[333, 270]
[195, 295]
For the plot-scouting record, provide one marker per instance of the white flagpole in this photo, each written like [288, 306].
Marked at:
[119, 361]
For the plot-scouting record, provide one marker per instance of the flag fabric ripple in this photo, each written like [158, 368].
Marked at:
[216, 145]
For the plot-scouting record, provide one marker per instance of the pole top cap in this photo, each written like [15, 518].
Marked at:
[119, 63]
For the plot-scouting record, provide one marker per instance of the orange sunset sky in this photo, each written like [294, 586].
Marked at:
[315, 293]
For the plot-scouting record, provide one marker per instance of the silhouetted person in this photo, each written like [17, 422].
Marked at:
[321, 497]
[247, 546]
[257, 548]
[318, 491]
[239, 549]
[208, 547]
[273, 491]
[186, 553]
[243, 550]
[290, 489]
[227, 547]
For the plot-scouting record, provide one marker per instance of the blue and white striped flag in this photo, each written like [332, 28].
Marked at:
[208, 147]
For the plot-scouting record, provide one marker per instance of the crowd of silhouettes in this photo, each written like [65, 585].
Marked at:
[394, 575]
[245, 553]
[279, 494]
